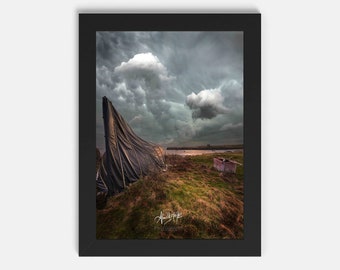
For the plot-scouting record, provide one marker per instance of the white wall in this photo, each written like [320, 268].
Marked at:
[38, 113]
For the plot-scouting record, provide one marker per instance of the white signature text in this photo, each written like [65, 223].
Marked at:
[168, 217]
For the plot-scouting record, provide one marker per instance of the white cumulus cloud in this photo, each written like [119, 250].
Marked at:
[143, 64]
[206, 104]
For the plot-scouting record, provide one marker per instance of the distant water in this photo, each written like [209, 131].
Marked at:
[198, 152]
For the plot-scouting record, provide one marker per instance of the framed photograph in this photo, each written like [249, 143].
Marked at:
[169, 134]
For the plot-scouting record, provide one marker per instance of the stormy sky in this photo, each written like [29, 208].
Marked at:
[173, 88]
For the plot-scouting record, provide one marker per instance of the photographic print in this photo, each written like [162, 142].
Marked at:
[169, 135]
[175, 130]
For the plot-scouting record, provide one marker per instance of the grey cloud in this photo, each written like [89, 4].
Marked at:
[231, 126]
[152, 77]
[146, 79]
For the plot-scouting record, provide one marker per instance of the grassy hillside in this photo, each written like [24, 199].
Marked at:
[210, 203]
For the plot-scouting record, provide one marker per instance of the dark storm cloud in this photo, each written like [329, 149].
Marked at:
[173, 87]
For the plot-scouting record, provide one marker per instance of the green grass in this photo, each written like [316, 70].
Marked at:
[211, 203]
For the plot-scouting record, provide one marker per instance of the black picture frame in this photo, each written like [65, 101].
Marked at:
[250, 24]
